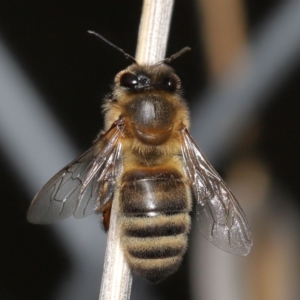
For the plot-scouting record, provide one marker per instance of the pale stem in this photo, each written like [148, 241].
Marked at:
[151, 48]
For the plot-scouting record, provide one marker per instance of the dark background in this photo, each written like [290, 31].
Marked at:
[74, 70]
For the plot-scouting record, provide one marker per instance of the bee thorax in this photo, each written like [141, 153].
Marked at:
[151, 117]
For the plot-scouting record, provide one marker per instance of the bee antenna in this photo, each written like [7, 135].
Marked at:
[174, 56]
[127, 56]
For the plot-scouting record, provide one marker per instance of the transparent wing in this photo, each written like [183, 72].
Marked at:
[221, 219]
[78, 188]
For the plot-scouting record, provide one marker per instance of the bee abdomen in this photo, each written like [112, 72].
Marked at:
[154, 222]
[154, 246]
[149, 193]
[156, 230]
[148, 248]
[158, 226]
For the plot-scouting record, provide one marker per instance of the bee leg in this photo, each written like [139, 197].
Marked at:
[105, 210]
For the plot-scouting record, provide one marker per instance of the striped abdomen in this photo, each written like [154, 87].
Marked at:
[155, 221]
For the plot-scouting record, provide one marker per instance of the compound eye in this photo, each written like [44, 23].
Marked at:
[129, 80]
[170, 84]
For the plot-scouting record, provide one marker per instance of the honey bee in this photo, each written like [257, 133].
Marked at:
[147, 161]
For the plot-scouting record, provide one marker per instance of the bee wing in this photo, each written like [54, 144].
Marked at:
[77, 188]
[221, 219]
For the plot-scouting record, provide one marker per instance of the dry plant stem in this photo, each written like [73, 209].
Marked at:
[116, 279]
[152, 43]
[154, 31]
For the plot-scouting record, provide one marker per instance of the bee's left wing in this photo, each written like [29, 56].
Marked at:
[84, 185]
[221, 219]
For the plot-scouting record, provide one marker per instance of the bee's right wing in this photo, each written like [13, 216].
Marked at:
[82, 186]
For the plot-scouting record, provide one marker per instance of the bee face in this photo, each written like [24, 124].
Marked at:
[137, 78]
